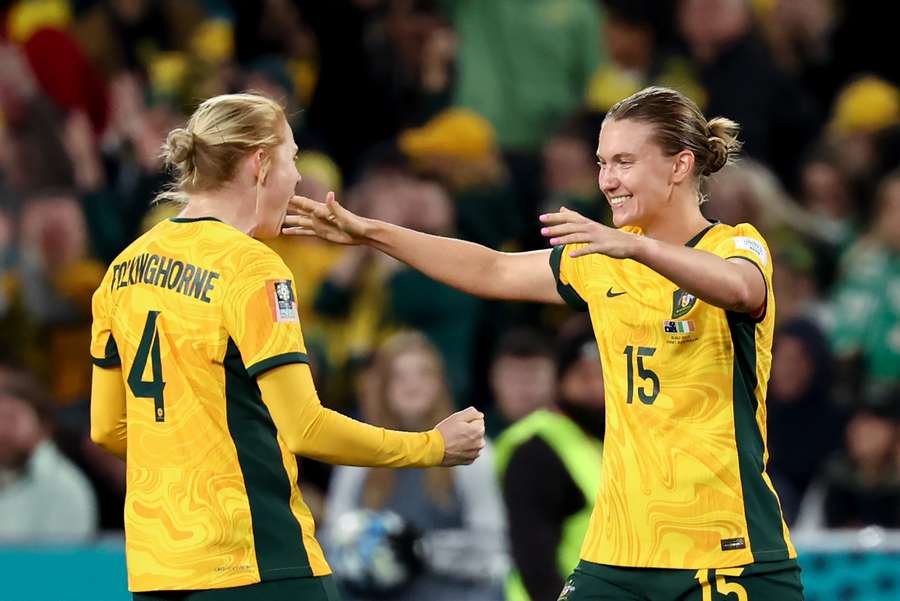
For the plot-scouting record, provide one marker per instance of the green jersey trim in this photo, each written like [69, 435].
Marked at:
[568, 294]
[283, 359]
[193, 219]
[277, 535]
[110, 355]
[762, 510]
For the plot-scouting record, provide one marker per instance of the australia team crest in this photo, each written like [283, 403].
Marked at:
[682, 303]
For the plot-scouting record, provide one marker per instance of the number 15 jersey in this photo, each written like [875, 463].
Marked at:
[684, 483]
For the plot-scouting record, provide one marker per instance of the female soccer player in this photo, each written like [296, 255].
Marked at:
[683, 313]
[201, 379]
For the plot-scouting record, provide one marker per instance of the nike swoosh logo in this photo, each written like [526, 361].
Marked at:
[611, 294]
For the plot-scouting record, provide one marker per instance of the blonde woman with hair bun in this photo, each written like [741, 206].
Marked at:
[683, 313]
[201, 379]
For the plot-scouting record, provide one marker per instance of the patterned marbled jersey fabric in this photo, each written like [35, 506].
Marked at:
[192, 311]
[684, 482]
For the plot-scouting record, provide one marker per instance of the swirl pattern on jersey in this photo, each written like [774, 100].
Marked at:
[684, 449]
[188, 518]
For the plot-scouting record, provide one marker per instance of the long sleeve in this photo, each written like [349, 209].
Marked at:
[311, 430]
[108, 424]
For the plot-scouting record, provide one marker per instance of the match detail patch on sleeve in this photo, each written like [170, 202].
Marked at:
[282, 300]
[753, 246]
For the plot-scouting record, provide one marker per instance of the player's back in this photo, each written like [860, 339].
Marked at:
[193, 310]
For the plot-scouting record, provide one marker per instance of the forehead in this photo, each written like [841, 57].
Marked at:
[625, 136]
[287, 134]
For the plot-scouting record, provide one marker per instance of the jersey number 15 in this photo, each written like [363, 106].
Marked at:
[643, 373]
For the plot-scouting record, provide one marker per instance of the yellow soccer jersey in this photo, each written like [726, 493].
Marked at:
[684, 482]
[193, 311]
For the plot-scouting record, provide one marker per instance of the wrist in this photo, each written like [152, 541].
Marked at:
[641, 248]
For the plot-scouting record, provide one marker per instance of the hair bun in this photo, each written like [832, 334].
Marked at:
[718, 154]
[179, 147]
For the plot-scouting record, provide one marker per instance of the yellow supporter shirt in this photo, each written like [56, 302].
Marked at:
[683, 482]
[192, 313]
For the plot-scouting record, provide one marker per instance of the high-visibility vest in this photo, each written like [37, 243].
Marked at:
[581, 455]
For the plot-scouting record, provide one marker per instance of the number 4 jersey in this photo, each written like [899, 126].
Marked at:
[192, 311]
[684, 482]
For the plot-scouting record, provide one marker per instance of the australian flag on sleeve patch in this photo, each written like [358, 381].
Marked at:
[282, 300]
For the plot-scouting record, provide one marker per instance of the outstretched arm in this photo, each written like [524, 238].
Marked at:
[469, 267]
[734, 284]
[311, 430]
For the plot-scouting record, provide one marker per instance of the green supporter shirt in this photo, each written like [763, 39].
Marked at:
[867, 311]
[525, 64]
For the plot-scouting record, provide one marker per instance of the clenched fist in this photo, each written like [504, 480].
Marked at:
[463, 434]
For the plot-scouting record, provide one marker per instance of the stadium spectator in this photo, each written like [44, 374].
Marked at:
[862, 486]
[561, 441]
[43, 497]
[522, 377]
[458, 511]
[741, 79]
[866, 314]
[800, 399]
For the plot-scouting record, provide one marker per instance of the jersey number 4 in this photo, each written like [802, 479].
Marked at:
[643, 373]
[148, 350]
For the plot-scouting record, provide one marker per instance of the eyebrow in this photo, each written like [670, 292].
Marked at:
[618, 157]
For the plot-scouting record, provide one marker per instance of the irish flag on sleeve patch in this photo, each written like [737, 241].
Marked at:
[282, 300]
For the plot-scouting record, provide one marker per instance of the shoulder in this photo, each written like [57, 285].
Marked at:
[723, 231]
[535, 454]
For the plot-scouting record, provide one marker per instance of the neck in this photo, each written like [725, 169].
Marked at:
[680, 222]
[223, 205]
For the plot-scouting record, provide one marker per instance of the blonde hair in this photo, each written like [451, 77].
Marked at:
[379, 484]
[204, 154]
[680, 125]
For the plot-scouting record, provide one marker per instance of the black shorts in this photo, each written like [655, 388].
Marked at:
[320, 588]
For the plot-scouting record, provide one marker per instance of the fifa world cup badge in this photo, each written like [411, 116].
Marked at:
[282, 301]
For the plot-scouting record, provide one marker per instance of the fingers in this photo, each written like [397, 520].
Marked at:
[577, 238]
[298, 221]
[562, 229]
[298, 231]
[302, 203]
[584, 250]
[471, 414]
[563, 216]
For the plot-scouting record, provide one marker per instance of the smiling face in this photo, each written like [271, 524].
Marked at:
[636, 177]
[278, 185]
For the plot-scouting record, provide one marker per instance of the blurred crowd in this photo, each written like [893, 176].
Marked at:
[461, 118]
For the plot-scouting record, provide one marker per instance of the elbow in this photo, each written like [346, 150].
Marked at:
[295, 445]
[743, 299]
[100, 436]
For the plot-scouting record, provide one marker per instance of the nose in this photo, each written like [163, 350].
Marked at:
[607, 180]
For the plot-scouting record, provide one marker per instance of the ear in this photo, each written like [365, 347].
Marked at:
[260, 163]
[683, 167]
